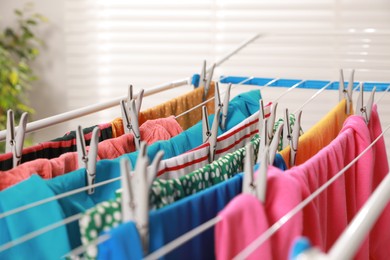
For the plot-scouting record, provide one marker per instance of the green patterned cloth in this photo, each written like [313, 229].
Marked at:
[107, 215]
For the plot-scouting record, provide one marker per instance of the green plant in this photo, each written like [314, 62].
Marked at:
[19, 47]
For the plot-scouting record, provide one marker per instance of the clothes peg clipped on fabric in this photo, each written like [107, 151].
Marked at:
[264, 112]
[256, 187]
[208, 135]
[208, 81]
[15, 137]
[248, 185]
[365, 110]
[138, 99]
[271, 120]
[291, 135]
[88, 159]
[205, 78]
[130, 111]
[223, 106]
[294, 138]
[264, 141]
[202, 79]
[136, 189]
[273, 147]
[346, 93]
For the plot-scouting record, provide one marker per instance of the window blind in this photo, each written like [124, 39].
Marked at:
[111, 44]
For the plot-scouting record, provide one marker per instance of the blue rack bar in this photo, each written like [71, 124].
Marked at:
[309, 84]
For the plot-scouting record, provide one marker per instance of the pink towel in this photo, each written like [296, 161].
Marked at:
[243, 220]
[151, 131]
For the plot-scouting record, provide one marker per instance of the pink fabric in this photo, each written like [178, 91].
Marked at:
[380, 233]
[243, 220]
[325, 218]
[151, 131]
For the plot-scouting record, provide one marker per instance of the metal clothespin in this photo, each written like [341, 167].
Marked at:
[136, 189]
[223, 106]
[208, 82]
[208, 135]
[286, 129]
[273, 147]
[130, 110]
[256, 187]
[264, 140]
[294, 138]
[365, 110]
[263, 112]
[138, 99]
[291, 135]
[202, 79]
[205, 78]
[15, 137]
[346, 93]
[88, 160]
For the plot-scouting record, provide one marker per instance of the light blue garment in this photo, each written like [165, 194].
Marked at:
[117, 247]
[51, 245]
[35, 189]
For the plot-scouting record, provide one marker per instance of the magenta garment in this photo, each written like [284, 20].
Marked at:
[380, 233]
[327, 216]
[243, 220]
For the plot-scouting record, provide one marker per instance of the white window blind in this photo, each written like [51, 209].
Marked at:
[110, 44]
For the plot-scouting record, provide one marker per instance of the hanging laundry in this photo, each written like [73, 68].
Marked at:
[240, 108]
[56, 147]
[151, 131]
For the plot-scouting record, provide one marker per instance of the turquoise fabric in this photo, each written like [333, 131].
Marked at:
[50, 245]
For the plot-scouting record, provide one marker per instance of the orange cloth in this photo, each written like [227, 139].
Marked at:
[319, 136]
[174, 107]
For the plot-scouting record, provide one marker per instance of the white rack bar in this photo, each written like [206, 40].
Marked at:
[60, 118]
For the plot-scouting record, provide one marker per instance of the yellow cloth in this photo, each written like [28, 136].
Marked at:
[117, 127]
[174, 107]
[319, 136]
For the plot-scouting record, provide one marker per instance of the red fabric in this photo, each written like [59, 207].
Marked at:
[151, 131]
